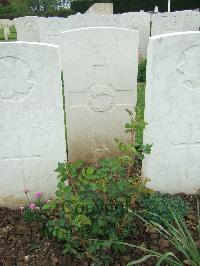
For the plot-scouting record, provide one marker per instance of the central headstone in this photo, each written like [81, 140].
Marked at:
[100, 75]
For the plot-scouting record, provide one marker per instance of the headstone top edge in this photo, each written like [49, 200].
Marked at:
[29, 43]
[99, 28]
[173, 34]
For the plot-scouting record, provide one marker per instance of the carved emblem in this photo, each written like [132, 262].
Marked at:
[30, 26]
[188, 68]
[31, 30]
[15, 79]
[101, 98]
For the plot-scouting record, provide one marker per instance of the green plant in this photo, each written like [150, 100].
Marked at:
[33, 212]
[142, 70]
[180, 238]
[92, 203]
[160, 205]
[65, 12]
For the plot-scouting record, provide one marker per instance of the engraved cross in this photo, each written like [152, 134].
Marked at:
[21, 159]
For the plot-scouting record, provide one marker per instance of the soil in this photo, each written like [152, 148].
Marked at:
[23, 245]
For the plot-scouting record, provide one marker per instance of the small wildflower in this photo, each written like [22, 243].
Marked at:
[21, 208]
[32, 206]
[38, 195]
[37, 208]
[48, 201]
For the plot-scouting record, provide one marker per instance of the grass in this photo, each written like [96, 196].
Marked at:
[140, 110]
[13, 34]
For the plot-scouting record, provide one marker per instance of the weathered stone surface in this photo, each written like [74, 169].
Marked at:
[172, 112]
[179, 21]
[138, 21]
[51, 28]
[48, 30]
[31, 120]
[100, 9]
[100, 74]
[28, 28]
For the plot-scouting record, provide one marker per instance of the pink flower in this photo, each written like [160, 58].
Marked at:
[32, 206]
[21, 208]
[38, 195]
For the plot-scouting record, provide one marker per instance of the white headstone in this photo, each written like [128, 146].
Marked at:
[100, 75]
[100, 9]
[6, 23]
[172, 111]
[139, 21]
[31, 121]
[156, 9]
[28, 28]
[179, 21]
[6, 32]
[51, 28]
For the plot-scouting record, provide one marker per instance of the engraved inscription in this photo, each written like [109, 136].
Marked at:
[16, 81]
[30, 26]
[168, 24]
[31, 30]
[101, 98]
[188, 68]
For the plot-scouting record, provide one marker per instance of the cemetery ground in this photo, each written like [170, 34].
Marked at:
[25, 241]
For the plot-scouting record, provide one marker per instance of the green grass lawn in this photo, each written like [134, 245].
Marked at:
[13, 34]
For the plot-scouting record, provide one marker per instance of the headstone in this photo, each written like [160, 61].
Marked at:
[6, 32]
[179, 21]
[51, 28]
[139, 21]
[156, 9]
[6, 23]
[163, 23]
[172, 111]
[28, 28]
[100, 9]
[100, 75]
[31, 122]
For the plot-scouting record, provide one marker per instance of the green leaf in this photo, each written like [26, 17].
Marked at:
[141, 260]
[165, 256]
[90, 171]
[129, 112]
